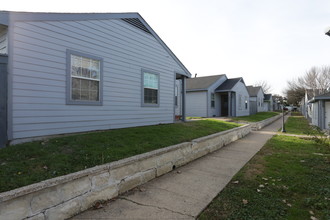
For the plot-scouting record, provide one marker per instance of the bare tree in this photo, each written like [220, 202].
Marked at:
[264, 85]
[315, 81]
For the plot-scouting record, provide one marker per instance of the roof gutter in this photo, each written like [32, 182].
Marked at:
[195, 90]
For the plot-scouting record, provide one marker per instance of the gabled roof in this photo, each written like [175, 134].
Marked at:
[202, 83]
[228, 84]
[267, 97]
[134, 19]
[253, 90]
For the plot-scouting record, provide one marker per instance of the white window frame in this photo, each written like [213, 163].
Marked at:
[143, 104]
[69, 99]
[176, 95]
[213, 100]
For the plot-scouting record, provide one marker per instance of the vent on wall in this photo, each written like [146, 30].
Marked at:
[136, 23]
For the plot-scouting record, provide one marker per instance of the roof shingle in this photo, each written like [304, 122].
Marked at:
[202, 83]
[253, 91]
[228, 84]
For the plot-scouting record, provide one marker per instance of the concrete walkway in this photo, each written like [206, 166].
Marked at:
[186, 191]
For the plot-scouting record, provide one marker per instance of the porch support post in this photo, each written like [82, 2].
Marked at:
[3, 101]
[229, 104]
[183, 90]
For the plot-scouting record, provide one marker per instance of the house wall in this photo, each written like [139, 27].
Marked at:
[260, 101]
[253, 105]
[327, 114]
[196, 104]
[314, 113]
[3, 41]
[211, 112]
[39, 77]
[266, 106]
[242, 92]
[271, 104]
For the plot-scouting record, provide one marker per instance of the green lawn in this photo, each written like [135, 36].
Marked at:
[288, 179]
[194, 117]
[298, 124]
[32, 162]
[256, 117]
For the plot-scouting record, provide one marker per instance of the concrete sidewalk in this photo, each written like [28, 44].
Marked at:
[186, 191]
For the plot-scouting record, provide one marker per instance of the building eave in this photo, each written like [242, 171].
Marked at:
[8, 16]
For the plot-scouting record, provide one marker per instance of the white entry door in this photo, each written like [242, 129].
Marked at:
[327, 114]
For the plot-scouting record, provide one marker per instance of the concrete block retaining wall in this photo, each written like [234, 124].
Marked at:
[63, 197]
[260, 124]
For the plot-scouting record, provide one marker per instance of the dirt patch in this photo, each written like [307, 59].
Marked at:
[257, 165]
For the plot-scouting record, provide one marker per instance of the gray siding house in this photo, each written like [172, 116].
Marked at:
[199, 92]
[235, 91]
[80, 72]
[256, 99]
[214, 96]
[320, 110]
[268, 102]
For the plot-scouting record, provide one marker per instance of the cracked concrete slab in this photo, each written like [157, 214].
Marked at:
[167, 200]
[124, 209]
[186, 191]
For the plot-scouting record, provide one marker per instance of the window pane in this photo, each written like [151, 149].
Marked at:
[75, 65]
[84, 95]
[75, 71]
[84, 84]
[75, 83]
[75, 94]
[95, 69]
[150, 96]
[86, 89]
[150, 81]
[94, 95]
[94, 85]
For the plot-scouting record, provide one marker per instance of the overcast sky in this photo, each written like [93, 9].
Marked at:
[270, 40]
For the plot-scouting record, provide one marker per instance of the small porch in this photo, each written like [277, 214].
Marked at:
[180, 98]
[227, 100]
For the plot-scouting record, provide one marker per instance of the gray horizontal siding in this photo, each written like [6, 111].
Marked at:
[39, 77]
[240, 89]
[197, 104]
[81, 128]
[3, 42]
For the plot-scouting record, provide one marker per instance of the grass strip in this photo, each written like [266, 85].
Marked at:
[32, 162]
[256, 117]
[288, 179]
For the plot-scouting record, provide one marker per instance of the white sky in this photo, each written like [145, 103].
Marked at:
[270, 40]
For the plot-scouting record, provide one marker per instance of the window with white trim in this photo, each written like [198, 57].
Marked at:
[84, 73]
[176, 94]
[150, 88]
[212, 100]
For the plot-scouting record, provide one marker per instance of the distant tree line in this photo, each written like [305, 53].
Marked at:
[315, 81]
